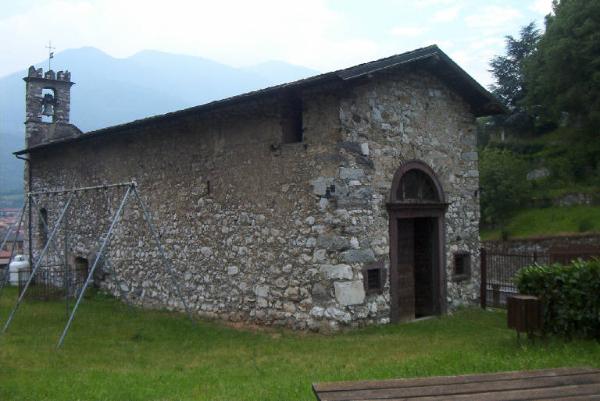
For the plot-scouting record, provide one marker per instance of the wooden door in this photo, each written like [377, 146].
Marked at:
[424, 266]
[405, 269]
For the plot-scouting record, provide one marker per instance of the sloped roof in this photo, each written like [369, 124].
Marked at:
[4, 257]
[482, 102]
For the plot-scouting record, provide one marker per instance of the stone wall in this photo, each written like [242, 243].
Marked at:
[266, 232]
[404, 116]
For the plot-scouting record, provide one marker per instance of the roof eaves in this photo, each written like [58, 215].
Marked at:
[492, 107]
[306, 82]
[388, 63]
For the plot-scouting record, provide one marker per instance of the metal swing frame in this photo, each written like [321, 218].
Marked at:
[131, 192]
[6, 278]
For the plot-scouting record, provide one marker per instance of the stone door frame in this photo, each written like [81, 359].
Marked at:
[398, 210]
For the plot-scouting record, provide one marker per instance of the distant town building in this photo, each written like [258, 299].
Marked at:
[15, 239]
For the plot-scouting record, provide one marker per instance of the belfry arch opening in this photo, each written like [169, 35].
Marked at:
[48, 103]
[416, 211]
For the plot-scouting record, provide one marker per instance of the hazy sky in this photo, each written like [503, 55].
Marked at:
[321, 34]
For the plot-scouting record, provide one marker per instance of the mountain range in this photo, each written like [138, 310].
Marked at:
[112, 90]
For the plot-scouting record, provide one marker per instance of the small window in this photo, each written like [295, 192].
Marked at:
[373, 276]
[416, 186]
[79, 275]
[291, 120]
[43, 226]
[462, 266]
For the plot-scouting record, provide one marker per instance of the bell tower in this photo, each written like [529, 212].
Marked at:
[47, 106]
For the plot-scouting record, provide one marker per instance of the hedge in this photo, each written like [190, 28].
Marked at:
[570, 296]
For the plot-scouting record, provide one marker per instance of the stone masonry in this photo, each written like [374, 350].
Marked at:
[267, 232]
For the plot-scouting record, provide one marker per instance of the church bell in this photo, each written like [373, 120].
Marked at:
[48, 105]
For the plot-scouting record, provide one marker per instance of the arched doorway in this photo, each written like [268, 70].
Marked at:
[417, 248]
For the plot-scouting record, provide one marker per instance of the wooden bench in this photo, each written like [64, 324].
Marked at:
[573, 384]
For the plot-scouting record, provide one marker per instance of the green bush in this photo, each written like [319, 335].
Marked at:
[570, 296]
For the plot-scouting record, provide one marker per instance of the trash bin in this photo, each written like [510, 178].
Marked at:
[524, 313]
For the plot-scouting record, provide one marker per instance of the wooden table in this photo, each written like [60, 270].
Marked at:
[573, 384]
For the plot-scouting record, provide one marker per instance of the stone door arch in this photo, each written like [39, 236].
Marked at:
[416, 209]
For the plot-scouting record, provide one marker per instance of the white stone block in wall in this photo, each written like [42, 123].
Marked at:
[320, 185]
[319, 255]
[317, 311]
[337, 272]
[347, 173]
[323, 203]
[206, 251]
[262, 291]
[364, 149]
[349, 292]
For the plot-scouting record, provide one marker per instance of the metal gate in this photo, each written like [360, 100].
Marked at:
[53, 282]
[499, 269]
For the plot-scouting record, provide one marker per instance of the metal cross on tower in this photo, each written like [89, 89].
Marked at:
[50, 54]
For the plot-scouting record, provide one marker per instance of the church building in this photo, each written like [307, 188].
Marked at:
[346, 199]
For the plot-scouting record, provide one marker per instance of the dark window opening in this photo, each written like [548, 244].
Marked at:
[80, 274]
[373, 277]
[291, 121]
[43, 226]
[462, 266]
[416, 186]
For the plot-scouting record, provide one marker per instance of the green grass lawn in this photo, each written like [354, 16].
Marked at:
[550, 221]
[113, 353]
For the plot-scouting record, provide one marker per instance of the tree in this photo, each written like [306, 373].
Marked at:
[563, 75]
[504, 186]
[508, 70]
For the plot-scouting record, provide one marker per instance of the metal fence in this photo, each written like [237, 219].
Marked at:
[53, 282]
[499, 269]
